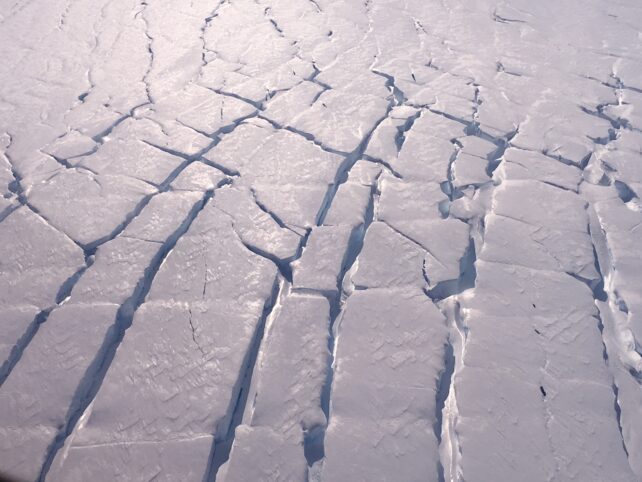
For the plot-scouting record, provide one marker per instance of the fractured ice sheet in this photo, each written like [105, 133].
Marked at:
[284, 240]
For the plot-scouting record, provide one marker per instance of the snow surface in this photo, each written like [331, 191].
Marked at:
[314, 240]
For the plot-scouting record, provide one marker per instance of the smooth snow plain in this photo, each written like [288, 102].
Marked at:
[321, 240]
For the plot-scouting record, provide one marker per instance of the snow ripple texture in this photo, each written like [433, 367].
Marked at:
[321, 240]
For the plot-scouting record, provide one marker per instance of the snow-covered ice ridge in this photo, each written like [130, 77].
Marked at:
[321, 240]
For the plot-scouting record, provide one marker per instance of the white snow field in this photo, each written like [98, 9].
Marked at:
[321, 240]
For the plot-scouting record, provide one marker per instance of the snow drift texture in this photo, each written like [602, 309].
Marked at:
[289, 240]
